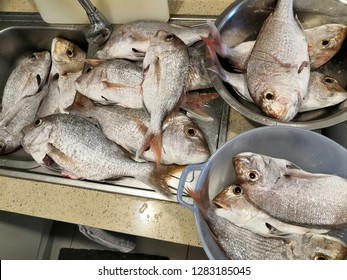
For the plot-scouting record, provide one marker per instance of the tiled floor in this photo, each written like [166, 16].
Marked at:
[68, 236]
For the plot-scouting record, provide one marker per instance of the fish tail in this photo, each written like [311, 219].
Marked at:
[159, 178]
[81, 105]
[201, 197]
[152, 141]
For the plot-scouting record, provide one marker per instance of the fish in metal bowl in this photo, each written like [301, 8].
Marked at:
[282, 62]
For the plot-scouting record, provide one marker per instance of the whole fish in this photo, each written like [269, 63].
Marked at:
[278, 69]
[83, 152]
[67, 65]
[323, 41]
[26, 79]
[183, 141]
[10, 131]
[290, 194]
[166, 67]
[131, 40]
[234, 206]
[241, 244]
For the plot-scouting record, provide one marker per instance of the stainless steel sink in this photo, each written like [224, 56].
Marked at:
[20, 35]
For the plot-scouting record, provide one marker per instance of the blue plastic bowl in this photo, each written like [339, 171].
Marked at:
[310, 150]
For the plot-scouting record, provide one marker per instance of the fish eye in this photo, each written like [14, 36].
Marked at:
[89, 69]
[321, 257]
[33, 57]
[237, 190]
[191, 132]
[70, 53]
[38, 122]
[2, 145]
[252, 175]
[269, 95]
[325, 43]
[169, 37]
[329, 80]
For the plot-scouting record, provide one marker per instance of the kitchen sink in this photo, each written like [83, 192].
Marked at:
[23, 34]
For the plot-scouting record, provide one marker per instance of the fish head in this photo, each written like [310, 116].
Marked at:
[124, 44]
[279, 101]
[88, 77]
[8, 142]
[325, 43]
[182, 134]
[67, 57]
[230, 197]
[324, 247]
[164, 41]
[39, 64]
[332, 89]
[35, 138]
[254, 169]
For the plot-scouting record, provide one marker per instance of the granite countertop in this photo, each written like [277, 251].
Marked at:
[164, 220]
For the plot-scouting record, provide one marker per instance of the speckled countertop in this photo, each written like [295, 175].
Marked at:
[164, 220]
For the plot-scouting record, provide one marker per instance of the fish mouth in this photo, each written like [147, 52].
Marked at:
[221, 201]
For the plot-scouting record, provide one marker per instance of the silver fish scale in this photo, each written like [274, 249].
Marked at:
[93, 156]
[242, 244]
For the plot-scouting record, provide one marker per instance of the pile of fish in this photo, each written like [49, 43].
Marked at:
[276, 210]
[117, 117]
[278, 72]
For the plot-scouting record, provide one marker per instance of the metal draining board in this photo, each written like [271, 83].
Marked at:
[19, 36]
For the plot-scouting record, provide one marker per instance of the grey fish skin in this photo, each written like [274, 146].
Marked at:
[83, 152]
[290, 194]
[166, 67]
[131, 40]
[115, 81]
[241, 244]
[26, 79]
[10, 133]
[323, 43]
[183, 141]
[234, 206]
[278, 69]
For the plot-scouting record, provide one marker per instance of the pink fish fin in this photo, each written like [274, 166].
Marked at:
[302, 66]
[141, 126]
[201, 197]
[69, 175]
[108, 84]
[195, 103]
[154, 142]
[47, 161]
[160, 177]
[81, 104]
[94, 61]
[61, 159]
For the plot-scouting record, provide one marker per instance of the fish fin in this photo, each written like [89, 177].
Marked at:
[141, 126]
[94, 61]
[69, 175]
[81, 104]
[58, 156]
[201, 197]
[194, 104]
[108, 84]
[302, 174]
[302, 66]
[159, 178]
[151, 141]
[275, 232]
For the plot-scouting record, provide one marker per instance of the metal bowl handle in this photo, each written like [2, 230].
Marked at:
[180, 189]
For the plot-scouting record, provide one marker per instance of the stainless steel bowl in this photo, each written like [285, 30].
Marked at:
[241, 22]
